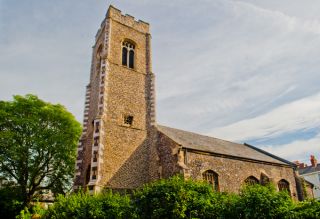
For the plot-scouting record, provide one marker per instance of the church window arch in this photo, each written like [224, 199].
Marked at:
[283, 185]
[251, 180]
[264, 179]
[128, 59]
[212, 178]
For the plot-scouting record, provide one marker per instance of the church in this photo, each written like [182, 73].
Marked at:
[122, 145]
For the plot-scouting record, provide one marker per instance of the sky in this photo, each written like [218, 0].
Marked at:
[240, 70]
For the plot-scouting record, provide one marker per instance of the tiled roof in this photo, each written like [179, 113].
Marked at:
[309, 169]
[203, 143]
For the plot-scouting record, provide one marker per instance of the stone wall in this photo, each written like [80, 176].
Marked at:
[125, 161]
[123, 156]
[168, 151]
[232, 172]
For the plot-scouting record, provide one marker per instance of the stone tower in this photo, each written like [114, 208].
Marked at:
[115, 149]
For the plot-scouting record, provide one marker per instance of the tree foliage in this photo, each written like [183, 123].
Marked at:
[84, 206]
[263, 202]
[11, 202]
[37, 145]
[177, 198]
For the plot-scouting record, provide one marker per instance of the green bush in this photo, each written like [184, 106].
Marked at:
[11, 202]
[309, 209]
[178, 198]
[174, 198]
[263, 202]
[84, 206]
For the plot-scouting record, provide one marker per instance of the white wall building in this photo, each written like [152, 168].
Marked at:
[312, 174]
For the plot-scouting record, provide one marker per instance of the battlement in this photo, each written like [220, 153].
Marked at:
[115, 14]
[128, 20]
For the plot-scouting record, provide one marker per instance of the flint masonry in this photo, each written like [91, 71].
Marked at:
[122, 146]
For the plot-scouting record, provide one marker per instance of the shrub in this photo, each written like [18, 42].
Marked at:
[309, 209]
[84, 206]
[263, 202]
[175, 198]
[179, 198]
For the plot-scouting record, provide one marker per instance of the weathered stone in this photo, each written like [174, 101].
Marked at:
[122, 147]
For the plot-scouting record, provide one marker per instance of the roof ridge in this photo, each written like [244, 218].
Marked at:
[207, 136]
[210, 144]
[269, 154]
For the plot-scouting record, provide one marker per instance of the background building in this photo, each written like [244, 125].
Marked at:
[311, 173]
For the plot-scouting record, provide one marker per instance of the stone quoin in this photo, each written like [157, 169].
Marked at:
[123, 147]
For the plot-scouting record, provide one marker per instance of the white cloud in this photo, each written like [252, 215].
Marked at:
[242, 61]
[294, 116]
[217, 63]
[297, 150]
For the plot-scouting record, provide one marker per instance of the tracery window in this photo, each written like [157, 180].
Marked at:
[283, 185]
[212, 178]
[251, 180]
[128, 54]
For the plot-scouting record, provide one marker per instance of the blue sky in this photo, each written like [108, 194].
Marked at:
[246, 70]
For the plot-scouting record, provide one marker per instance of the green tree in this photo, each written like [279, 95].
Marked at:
[38, 143]
[257, 201]
[308, 209]
[10, 202]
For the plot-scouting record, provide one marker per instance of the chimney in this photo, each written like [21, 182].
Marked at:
[299, 165]
[302, 165]
[313, 161]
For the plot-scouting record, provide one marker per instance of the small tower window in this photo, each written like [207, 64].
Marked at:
[128, 54]
[212, 178]
[97, 127]
[94, 172]
[96, 141]
[128, 120]
[95, 156]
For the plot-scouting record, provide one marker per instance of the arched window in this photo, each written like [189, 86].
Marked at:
[131, 58]
[251, 180]
[212, 178]
[283, 185]
[124, 56]
[128, 54]
[264, 179]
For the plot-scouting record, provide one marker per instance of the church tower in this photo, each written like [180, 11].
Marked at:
[115, 148]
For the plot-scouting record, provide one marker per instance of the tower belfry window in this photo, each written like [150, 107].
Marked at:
[128, 54]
